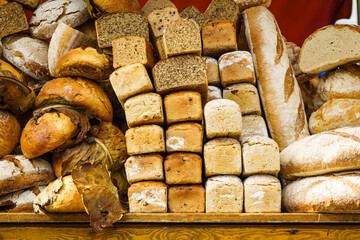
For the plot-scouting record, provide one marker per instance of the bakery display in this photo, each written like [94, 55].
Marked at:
[186, 199]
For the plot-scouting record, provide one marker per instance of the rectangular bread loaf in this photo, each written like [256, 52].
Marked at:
[147, 167]
[159, 19]
[186, 199]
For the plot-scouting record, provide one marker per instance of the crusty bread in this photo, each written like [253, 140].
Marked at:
[326, 152]
[310, 94]
[29, 3]
[191, 12]
[186, 199]
[20, 201]
[241, 37]
[12, 19]
[214, 93]
[147, 167]
[336, 113]
[253, 125]
[152, 5]
[279, 91]
[294, 53]
[160, 19]
[333, 193]
[223, 10]
[212, 71]
[110, 6]
[10, 132]
[329, 47]
[245, 4]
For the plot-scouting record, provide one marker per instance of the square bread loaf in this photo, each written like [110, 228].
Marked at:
[132, 49]
[145, 139]
[185, 137]
[160, 48]
[148, 197]
[12, 19]
[191, 12]
[246, 95]
[146, 108]
[186, 199]
[185, 72]
[222, 119]
[224, 194]
[183, 168]
[253, 125]
[212, 71]
[129, 81]
[182, 37]
[183, 106]
[236, 67]
[159, 19]
[214, 93]
[260, 155]
[262, 194]
[152, 5]
[223, 10]
[218, 37]
[222, 156]
[147, 167]
[113, 25]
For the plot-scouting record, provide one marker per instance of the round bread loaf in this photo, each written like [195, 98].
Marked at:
[77, 92]
[326, 152]
[9, 133]
[336, 113]
[333, 193]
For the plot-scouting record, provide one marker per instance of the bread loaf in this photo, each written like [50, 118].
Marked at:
[214, 93]
[186, 199]
[223, 10]
[10, 132]
[29, 3]
[185, 137]
[20, 201]
[330, 47]
[333, 193]
[212, 71]
[244, 4]
[279, 91]
[12, 19]
[160, 48]
[147, 167]
[310, 94]
[160, 19]
[294, 53]
[153, 5]
[326, 152]
[253, 125]
[191, 12]
[87, 28]
[110, 6]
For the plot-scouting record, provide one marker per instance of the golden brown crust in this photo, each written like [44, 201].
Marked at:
[9, 133]
[77, 92]
[110, 6]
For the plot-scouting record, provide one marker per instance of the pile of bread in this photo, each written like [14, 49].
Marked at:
[191, 92]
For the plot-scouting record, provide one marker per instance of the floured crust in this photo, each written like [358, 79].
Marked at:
[20, 201]
[144, 168]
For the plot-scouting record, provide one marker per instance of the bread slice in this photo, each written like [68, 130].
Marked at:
[114, 25]
[330, 47]
[29, 3]
[12, 19]
[191, 12]
[153, 5]
[132, 49]
[159, 19]
[223, 10]
[182, 37]
[181, 73]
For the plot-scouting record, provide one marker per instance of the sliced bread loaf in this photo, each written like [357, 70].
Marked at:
[223, 10]
[12, 19]
[153, 5]
[114, 25]
[159, 19]
[191, 12]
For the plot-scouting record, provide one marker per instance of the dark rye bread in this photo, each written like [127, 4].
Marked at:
[185, 72]
[12, 19]
[153, 5]
[191, 12]
[114, 25]
[223, 10]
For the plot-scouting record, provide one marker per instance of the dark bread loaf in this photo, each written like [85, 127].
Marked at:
[12, 19]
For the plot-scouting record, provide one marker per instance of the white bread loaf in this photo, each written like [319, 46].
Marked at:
[279, 90]
[333, 193]
[326, 152]
[330, 47]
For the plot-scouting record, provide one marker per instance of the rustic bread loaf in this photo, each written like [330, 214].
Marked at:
[223, 10]
[130, 80]
[260, 156]
[236, 67]
[326, 152]
[262, 194]
[224, 194]
[336, 113]
[181, 73]
[146, 108]
[183, 168]
[185, 137]
[183, 106]
[113, 25]
[253, 125]
[160, 19]
[186, 199]
[12, 19]
[333, 193]
[218, 37]
[110, 6]
[281, 99]
[148, 197]
[28, 54]
[191, 12]
[20, 201]
[214, 93]
[147, 167]
[64, 39]
[84, 62]
[132, 49]
[246, 95]
[10, 133]
[244, 4]
[222, 119]
[29, 3]
[330, 47]
[212, 71]
[153, 5]
[145, 139]
[49, 14]
[222, 156]
[20, 173]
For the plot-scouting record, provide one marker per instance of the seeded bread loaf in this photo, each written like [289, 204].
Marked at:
[330, 47]
[181, 73]
[244, 4]
[147, 167]
[182, 37]
[186, 199]
[20, 201]
[191, 12]
[160, 19]
[185, 137]
[253, 125]
[152, 5]
[212, 71]
[132, 49]
[10, 132]
[114, 25]
[223, 10]
[29, 3]
[12, 19]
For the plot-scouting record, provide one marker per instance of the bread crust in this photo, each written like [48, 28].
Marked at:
[110, 6]
[10, 132]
